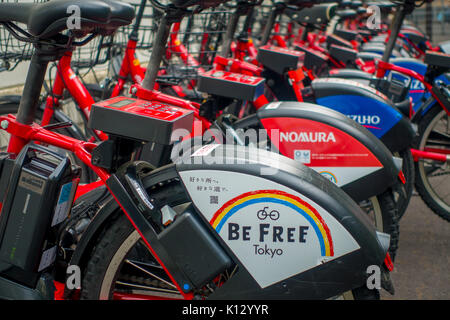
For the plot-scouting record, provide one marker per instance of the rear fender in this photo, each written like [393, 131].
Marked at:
[242, 200]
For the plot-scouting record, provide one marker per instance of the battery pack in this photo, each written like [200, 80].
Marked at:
[343, 54]
[140, 120]
[231, 85]
[38, 189]
[348, 35]
[279, 59]
[314, 60]
[334, 39]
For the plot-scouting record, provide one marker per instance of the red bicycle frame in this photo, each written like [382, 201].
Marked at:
[67, 79]
[131, 66]
[383, 67]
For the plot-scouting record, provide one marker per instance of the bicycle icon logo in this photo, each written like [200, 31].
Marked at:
[263, 214]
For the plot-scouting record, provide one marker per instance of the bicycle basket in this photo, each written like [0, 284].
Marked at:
[13, 51]
[200, 36]
[98, 51]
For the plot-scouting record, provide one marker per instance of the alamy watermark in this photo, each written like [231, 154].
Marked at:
[374, 279]
[74, 20]
[374, 20]
[73, 280]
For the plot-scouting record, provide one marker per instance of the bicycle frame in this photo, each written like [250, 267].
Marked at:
[130, 67]
[383, 67]
[67, 79]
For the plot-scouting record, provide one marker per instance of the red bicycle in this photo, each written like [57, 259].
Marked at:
[131, 248]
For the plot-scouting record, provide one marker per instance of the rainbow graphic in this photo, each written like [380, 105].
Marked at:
[279, 197]
[329, 175]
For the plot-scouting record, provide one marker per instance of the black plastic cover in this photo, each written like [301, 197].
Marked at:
[438, 59]
[231, 85]
[184, 239]
[415, 36]
[301, 3]
[139, 119]
[279, 59]
[335, 39]
[314, 60]
[318, 14]
[343, 54]
[346, 34]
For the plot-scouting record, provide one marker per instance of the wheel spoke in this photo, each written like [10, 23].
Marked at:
[150, 273]
[135, 285]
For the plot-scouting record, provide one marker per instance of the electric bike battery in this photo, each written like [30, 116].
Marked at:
[37, 189]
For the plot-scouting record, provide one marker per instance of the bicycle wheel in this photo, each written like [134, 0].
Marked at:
[382, 211]
[432, 177]
[121, 266]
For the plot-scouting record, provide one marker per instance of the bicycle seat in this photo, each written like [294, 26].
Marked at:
[383, 5]
[122, 13]
[361, 10]
[344, 3]
[347, 13]
[355, 4]
[302, 3]
[437, 59]
[47, 19]
[318, 14]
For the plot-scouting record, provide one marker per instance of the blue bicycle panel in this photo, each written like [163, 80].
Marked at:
[375, 115]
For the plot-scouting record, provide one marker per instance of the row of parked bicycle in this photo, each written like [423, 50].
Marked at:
[267, 150]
